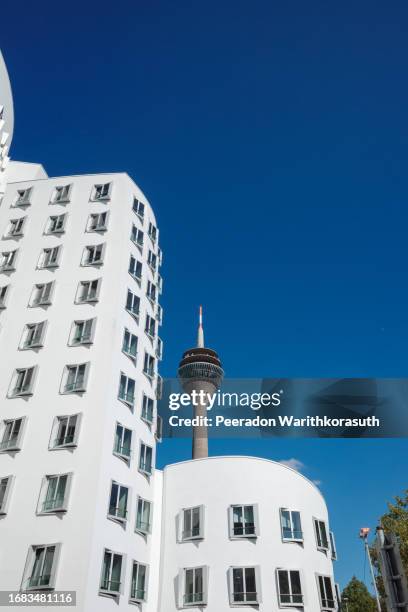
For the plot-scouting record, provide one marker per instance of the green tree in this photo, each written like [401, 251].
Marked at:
[358, 598]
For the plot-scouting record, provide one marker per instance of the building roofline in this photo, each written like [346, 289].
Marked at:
[174, 465]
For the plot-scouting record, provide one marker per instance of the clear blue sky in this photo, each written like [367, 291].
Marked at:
[271, 139]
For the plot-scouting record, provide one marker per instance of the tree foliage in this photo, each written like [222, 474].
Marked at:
[358, 597]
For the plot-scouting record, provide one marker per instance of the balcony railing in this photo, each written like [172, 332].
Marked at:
[243, 530]
[138, 594]
[53, 504]
[113, 586]
[245, 596]
[193, 598]
[118, 512]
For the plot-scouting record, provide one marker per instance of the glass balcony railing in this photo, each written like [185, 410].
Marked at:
[53, 504]
[245, 596]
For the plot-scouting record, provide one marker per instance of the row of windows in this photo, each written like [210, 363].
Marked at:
[62, 194]
[244, 523]
[87, 293]
[82, 332]
[244, 582]
[93, 255]
[75, 380]
[97, 222]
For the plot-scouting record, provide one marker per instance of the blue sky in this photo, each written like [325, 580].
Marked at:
[271, 139]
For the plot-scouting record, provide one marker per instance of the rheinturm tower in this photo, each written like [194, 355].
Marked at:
[200, 370]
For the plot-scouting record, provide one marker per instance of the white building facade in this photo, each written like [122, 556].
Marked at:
[82, 507]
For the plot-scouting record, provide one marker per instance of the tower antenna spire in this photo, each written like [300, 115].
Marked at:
[200, 334]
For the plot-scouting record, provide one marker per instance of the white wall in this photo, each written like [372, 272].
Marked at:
[218, 482]
[85, 530]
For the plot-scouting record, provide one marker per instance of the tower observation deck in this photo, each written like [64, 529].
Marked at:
[200, 369]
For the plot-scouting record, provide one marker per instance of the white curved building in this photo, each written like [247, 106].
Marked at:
[243, 531]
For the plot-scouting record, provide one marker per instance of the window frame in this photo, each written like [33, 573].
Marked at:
[106, 591]
[56, 428]
[318, 536]
[34, 303]
[183, 584]
[80, 389]
[89, 337]
[144, 414]
[5, 445]
[137, 237]
[299, 539]
[115, 516]
[119, 453]
[5, 504]
[39, 343]
[135, 264]
[150, 360]
[4, 293]
[333, 547]
[67, 189]
[88, 300]
[102, 198]
[30, 564]
[25, 393]
[144, 531]
[232, 593]
[86, 260]
[23, 198]
[140, 216]
[134, 297]
[45, 484]
[95, 230]
[132, 356]
[58, 231]
[290, 604]
[320, 579]
[125, 399]
[255, 511]
[55, 263]
[20, 233]
[6, 256]
[183, 537]
[141, 465]
[132, 596]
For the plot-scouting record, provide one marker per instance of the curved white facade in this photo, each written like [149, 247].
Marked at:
[217, 483]
[6, 100]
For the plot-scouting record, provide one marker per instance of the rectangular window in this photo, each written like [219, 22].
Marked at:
[123, 442]
[152, 260]
[139, 582]
[321, 534]
[129, 344]
[159, 428]
[61, 194]
[54, 494]
[42, 294]
[3, 295]
[41, 567]
[159, 314]
[88, 291]
[152, 232]
[139, 209]
[160, 283]
[8, 261]
[127, 390]
[291, 525]
[149, 365]
[333, 546]
[244, 521]
[101, 192]
[326, 593]
[133, 304]
[98, 222]
[151, 291]
[12, 435]
[15, 228]
[82, 332]
[56, 224]
[159, 348]
[195, 583]
[150, 326]
[289, 588]
[75, 378]
[118, 501]
[93, 255]
[111, 573]
[146, 459]
[244, 588]
[5, 489]
[192, 523]
[50, 257]
[65, 431]
[147, 409]
[23, 197]
[137, 237]
[33, 335]
[23, 382]
[135, 269]
[143, 516]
